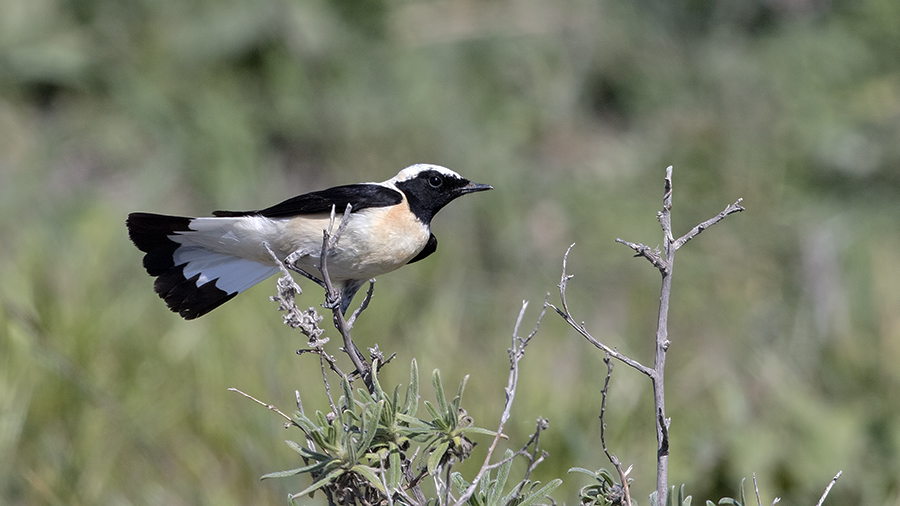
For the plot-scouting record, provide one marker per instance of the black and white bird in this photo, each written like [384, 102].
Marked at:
[201, 263]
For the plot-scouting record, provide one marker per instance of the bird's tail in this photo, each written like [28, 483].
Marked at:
[191, 277]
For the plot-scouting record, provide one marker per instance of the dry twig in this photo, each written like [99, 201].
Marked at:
[664, 262]
[290, 421]
[516, 352]
[623, 475]
[333, 297]
[307, 321]
[828, 488]
[580, 327]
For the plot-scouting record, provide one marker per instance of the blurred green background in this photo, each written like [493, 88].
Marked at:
[785, 319]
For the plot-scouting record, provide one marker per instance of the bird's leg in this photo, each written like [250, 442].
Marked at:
[291, 263]
[333, 300]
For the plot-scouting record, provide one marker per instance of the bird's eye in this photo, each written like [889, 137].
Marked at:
[435, 181]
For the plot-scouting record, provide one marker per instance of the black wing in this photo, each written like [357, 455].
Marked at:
[429, 248]
[360, 196]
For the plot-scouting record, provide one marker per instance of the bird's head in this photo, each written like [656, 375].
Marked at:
[428, 188]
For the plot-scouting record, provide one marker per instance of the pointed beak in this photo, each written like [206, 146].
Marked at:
[474, 187]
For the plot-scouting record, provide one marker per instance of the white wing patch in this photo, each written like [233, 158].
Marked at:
[229, 273]
[203, 250]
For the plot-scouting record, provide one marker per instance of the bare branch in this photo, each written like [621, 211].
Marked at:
[756, 489]
[290, 421]
[516, 352]
[533, 458]
[731, 209]
[663, 423]
[623, 477]
[542, 424]
[307, 321]
[664, 262]
[758, 500]
[324, 357]
[653, 255]
[333, 298]
[330, 239]
[665, 216]
[580, 328]
[564, 280]
[828, 488]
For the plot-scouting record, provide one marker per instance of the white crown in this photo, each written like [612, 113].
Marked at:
[414, 170]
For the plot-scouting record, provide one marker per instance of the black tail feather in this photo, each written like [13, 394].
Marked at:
[150, 233]
[184, 297]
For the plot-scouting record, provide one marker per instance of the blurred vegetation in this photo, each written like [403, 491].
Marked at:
[785, 320]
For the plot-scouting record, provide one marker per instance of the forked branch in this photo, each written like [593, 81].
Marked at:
[516, 353]
[623, 475]
[307, 321]
[580, 327]
[664, 262]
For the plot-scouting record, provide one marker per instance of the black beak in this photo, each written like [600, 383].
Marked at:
[474, 187]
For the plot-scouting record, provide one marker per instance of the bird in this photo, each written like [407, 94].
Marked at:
[201, 263]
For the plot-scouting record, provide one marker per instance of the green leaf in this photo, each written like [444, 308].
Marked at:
[371, 428]
[395, 399]
[321, 482]
[454, 404]
[583, 471]
[728, 501]
[602, 476]
[413, 421]
[439, 390]
[412, 391]
[743, 498]
[348, 447]
[394, 471]
[331, 438]
[370, 475]
[305, 423]
[477, 430]
[542, 493]
[348, 394]
[297, 447]
[710, 503]
[461, 484]
[379, 392]
[462, 386]
[502, 476]
[363, 397]
[434, 460]
[293, 472]
[682, 500]
[438, 419]
[306, 452]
